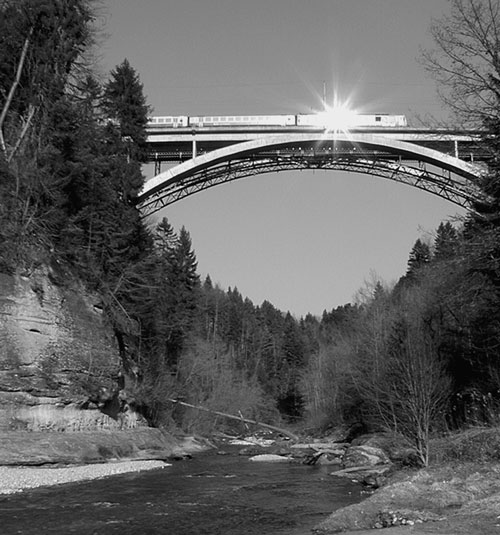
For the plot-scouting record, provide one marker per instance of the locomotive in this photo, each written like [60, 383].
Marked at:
[309, 120]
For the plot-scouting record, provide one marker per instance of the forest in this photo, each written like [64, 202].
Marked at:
[420, 357]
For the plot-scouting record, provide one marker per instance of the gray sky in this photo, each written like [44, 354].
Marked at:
[304, 241]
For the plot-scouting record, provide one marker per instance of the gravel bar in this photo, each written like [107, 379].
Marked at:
[17, 479]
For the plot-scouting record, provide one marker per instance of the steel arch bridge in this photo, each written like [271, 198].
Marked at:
[370, 153]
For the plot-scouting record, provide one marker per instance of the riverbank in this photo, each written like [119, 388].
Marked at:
[19, 478]
[458, 498]
[458, 494]
[23, 448]
[30, 460]
[34, 459]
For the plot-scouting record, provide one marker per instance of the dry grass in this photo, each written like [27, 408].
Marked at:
[477, 445]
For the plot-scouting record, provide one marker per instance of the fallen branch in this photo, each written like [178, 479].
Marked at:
[239, 418]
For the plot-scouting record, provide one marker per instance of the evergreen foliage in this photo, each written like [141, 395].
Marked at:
[124, 103]
[445, 242]
[420, 255]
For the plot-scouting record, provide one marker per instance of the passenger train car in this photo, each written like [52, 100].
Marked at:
[314, 120]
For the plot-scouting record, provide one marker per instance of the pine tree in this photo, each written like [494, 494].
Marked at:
[420, 255]
[41, 43]
[125, 105]
[165, 239]
[446, 241]
[183, 294]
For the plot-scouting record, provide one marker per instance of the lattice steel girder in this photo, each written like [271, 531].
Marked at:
[386, 165]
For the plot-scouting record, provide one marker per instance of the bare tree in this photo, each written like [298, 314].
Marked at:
[324, 379]
[465, 60]
[398, 371]
[419, 386]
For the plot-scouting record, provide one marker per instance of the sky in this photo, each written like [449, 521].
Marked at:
[305, 241]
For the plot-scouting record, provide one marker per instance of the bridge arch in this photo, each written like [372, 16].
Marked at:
[440, 174]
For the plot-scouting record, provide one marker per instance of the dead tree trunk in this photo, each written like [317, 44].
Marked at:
[239, 418]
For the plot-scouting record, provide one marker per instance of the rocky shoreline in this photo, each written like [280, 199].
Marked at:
[21, 448]
[17, 479]
[29, 459]
[459, 494]
[452, 497]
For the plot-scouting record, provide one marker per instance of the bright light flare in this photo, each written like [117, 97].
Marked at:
[337, 118]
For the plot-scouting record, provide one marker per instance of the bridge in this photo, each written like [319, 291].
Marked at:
[444, 162]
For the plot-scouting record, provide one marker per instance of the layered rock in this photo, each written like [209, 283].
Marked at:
[59, 362]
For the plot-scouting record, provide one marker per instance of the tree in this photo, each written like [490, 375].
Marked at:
[182, 296]
[41, 42]
[465, 60]
[446, 241]
[418, 387]
[419, 257]
[164, 239]
[125, 104]
[46, 140]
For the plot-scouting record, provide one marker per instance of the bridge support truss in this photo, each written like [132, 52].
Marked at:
[327, 156]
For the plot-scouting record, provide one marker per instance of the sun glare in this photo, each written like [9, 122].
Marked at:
[337, 118]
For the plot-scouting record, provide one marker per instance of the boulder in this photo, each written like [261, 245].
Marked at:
[329, 459]
[269, 458]
[251, 450]
[344, 433]
[398, 448]
[364, 456]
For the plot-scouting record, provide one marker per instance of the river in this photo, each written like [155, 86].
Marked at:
[210, 495]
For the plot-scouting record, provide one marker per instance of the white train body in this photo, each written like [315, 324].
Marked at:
[170, 121]
[311, 120]
[243, 120]
[356, 120]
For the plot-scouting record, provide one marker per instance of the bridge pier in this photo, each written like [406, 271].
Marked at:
[157, 165]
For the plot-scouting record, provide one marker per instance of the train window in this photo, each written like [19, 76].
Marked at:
[378, 119]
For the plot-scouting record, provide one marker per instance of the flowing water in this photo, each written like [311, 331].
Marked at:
[211, 495]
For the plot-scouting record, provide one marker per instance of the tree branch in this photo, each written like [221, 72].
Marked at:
[13, 87]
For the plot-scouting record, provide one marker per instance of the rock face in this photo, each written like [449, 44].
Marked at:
[59, 364]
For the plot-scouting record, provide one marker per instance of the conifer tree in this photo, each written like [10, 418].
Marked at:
[41, 42]
[420, 255]
[125, 105]
[164, 239]
[446, 241]
[183, 275]
[182, 295]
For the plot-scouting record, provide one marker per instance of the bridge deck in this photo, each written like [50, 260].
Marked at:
[181, 144]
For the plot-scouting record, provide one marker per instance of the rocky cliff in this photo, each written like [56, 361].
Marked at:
[59, 364]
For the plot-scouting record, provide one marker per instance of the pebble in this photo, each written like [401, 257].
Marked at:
[19, 478]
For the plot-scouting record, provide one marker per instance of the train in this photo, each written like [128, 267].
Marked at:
[311, 120]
